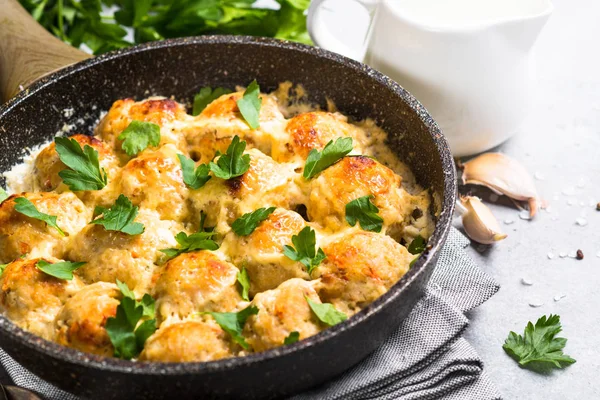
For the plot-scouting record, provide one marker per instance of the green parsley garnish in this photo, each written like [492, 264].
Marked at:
[60, 270]
[3, 195]
[147, 301]
[417, 246]
[205, 96]
[305, 252]
[318, 161]
[84, 171]
[244, 280]
[120, 217]
[2, 268]
[365, 212]
[138, 136]
[539, 349]
[247, 223]
[250, 103]
[234, 162]
[194, 177]
[233, 323]
[193, 242]
[27, 208]
[292, 338]
[326, 313]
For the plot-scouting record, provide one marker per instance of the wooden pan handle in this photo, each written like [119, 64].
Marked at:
[27, 50]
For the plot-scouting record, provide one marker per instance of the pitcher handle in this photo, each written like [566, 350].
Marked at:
[322, 36]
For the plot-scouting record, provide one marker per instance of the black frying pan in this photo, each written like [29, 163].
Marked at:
[179, 68]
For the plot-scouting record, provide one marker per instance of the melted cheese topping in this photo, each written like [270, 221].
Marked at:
[359, 266]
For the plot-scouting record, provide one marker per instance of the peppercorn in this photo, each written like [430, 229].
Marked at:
[579, 255]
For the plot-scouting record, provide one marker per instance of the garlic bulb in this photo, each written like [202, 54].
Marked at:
[504, 175]
[478, 221]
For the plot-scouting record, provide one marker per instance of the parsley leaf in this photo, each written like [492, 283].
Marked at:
[234, 162]
[27, 208]
[233, 323]
[305, 252]
[292, 338]
[249, 105]
[3, 195]
[138, 136]
[247, 223]
[120, 217]
[539, 348]
[244, 280]
[205, 96]
[193, 242]
[417, 246]
[194, 177]
[365, 212]
[60, 270]
[84, 171]
[326, 313]
[147, 301]
[2, 268]
[318, 161]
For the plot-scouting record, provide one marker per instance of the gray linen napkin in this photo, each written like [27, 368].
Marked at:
[425, 359]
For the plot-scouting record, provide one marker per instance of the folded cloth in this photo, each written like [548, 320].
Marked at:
[426, 358]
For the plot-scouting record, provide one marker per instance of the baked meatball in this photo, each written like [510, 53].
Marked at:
[154, 180]
[194, 282]
[166, 113]
[360, 266]
[189, 341]
[347, 180]
[21, 235]
[112, 255]
[282, 311]
[221, 120]
[31, 299]
[80, 323]
[261, 251]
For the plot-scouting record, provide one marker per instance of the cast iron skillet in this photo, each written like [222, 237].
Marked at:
[179, 68]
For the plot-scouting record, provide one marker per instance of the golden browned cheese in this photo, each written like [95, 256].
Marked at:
[282, 311]
[81, 322]
[360, 266]
[114, 255]
[20, 235]
[189, 341]
[261, 251]
[32, 299]
[195, 282]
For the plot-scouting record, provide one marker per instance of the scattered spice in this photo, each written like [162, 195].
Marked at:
[579, 254]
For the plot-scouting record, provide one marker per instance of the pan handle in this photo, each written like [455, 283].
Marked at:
[27, 50]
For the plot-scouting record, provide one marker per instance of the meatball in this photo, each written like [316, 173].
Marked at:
[221, 120]
[349, 179]
[166, 113]
[80, 323]
[189, 341]
[154, 180]
[112, 255]
[282, 311]
[32, 299]
[193, 282]
[360, 266]
[21, 235]
[261, 251]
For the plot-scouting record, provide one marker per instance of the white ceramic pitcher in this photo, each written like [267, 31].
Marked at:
[468, 61]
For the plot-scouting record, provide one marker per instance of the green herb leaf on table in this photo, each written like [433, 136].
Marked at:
[205, 96]
[193, 242]
[3, 195]
[60, 270]
[317, 161]
[249, 105]
[233, 323]
[138, 136]
[233, 163]
[27, 208]
[304, 251]
[83, 171]
[292, 338]
[194, 177]
[247, 223]
[417, 246]
[120, 217]
[539, 349]
[365, 212]
[244, 280]
[326, 313]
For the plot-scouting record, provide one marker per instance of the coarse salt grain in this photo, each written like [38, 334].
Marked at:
[559, 297]
[524, 214]
[581, 221]
[563, 254]
[509, 221]
[573, 254]
[526, 282]
[550, 255]
[535, 304]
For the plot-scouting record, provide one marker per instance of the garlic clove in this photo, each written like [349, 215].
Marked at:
[479, 222]
[503, 175]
